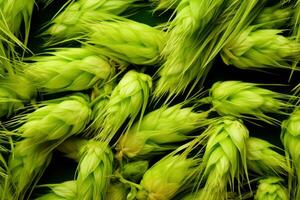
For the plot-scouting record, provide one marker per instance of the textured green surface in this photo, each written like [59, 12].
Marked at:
[63, 169]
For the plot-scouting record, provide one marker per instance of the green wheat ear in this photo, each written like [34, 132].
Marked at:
[128, 99]
[261, 49]
[159, 130]
[69, 69]
[12, 96]
[72, 147]
[69, 23]
[16, 12]
[247, 100]
[57, 120]
[61, 191]
[167, 177]
[94, 170]
[191, 17]
[14, 15]
[116, 191]
[135, 170]
[127, 40]
[295, 24]
[290, 137]
[5, 189]
[26, 164]
[263, 159]
[274, 17]
[41, 131]
[198, 33]
[271, 188]
[224, 159]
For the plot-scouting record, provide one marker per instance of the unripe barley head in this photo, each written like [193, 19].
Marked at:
[166, 177]
[12, 96]
[224, 159]
[116, 191]
[291, 141]
[127, 100]
[265, 48]
[128, 41]
[61, 191]
[158, 129]
[69, 69]
[240, 99]
[135, 170]
[94, 170]
[263, 159]
[26, 164]
[273, 17]
[271, 188]
[57, 120]
[70, 22]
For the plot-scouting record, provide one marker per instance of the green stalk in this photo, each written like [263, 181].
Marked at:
[198, 196]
